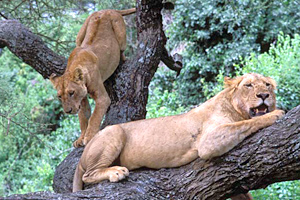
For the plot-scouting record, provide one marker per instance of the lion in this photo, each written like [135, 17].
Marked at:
[246, 105]
[100, 44]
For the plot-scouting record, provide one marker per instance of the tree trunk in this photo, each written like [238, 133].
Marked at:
[128, 86]
[269, 156]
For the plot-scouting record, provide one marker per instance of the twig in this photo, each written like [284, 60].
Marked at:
[3, 16]
[17, 6]
[16, 158]
[61, 152]
[8, 124]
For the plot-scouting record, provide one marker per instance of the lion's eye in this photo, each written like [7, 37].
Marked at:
[248, 85]
[59, 97]
[268, 84]
[71, 93]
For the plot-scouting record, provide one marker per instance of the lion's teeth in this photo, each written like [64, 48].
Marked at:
[256, 110]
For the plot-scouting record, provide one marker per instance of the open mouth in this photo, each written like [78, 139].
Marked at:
[258, 111]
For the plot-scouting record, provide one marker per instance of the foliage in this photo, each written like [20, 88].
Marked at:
[163, 104]
[281, 62]
[217, 32]
[29, 151]
[161, 101]
[284, 190]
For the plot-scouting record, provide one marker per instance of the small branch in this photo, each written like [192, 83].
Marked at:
[61, 152]
[9, 119]
[172, 63]
[2, 15]
[17, 6]
[16, 158]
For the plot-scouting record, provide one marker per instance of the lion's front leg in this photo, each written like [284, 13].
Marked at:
[220, 139]
[102, 101]
[84, 115]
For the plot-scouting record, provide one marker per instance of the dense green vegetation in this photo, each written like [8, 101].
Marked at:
[217, 33]
[29, 149]
[221, 38]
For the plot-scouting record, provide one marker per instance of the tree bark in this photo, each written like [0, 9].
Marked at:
[30, 48]
[268, 156]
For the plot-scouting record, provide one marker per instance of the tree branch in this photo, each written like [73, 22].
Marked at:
[30, 48]
[268, 156]
[2, 15]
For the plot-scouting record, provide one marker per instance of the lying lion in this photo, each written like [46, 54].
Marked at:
[99, 46]
[246, 105]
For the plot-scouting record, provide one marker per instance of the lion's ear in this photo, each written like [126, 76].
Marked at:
[53, 78]
[272, 82]
[78, 75]
[232, 82]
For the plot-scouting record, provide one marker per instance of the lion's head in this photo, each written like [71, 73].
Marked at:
[252, 94]
[71, 89]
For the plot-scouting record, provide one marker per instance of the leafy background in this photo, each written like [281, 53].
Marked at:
[217, 38]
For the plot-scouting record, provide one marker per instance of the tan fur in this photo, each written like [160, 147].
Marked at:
[99, 46]
[207, 131]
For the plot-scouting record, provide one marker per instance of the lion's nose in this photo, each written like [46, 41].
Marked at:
[69, 111]
[263, 96]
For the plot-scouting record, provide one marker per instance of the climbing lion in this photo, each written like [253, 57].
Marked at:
[246, 105]
[99, 46]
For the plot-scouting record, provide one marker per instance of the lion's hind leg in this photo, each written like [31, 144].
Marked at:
[119, 28]
[99, 155]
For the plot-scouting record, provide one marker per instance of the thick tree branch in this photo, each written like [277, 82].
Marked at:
[30, 48]
[269, 156]
[172, 63]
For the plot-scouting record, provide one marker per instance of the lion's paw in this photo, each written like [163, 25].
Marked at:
[86, 140]
[278, 114]
[78, 143]
[116, 174]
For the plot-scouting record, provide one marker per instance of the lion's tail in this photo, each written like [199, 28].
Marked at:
[77, 181]
[127, 12]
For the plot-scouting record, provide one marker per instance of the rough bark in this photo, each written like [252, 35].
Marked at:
[30, 48]
[271, 155]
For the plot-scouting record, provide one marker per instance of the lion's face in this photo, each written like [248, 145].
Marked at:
[253, 94]
[70, 91]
